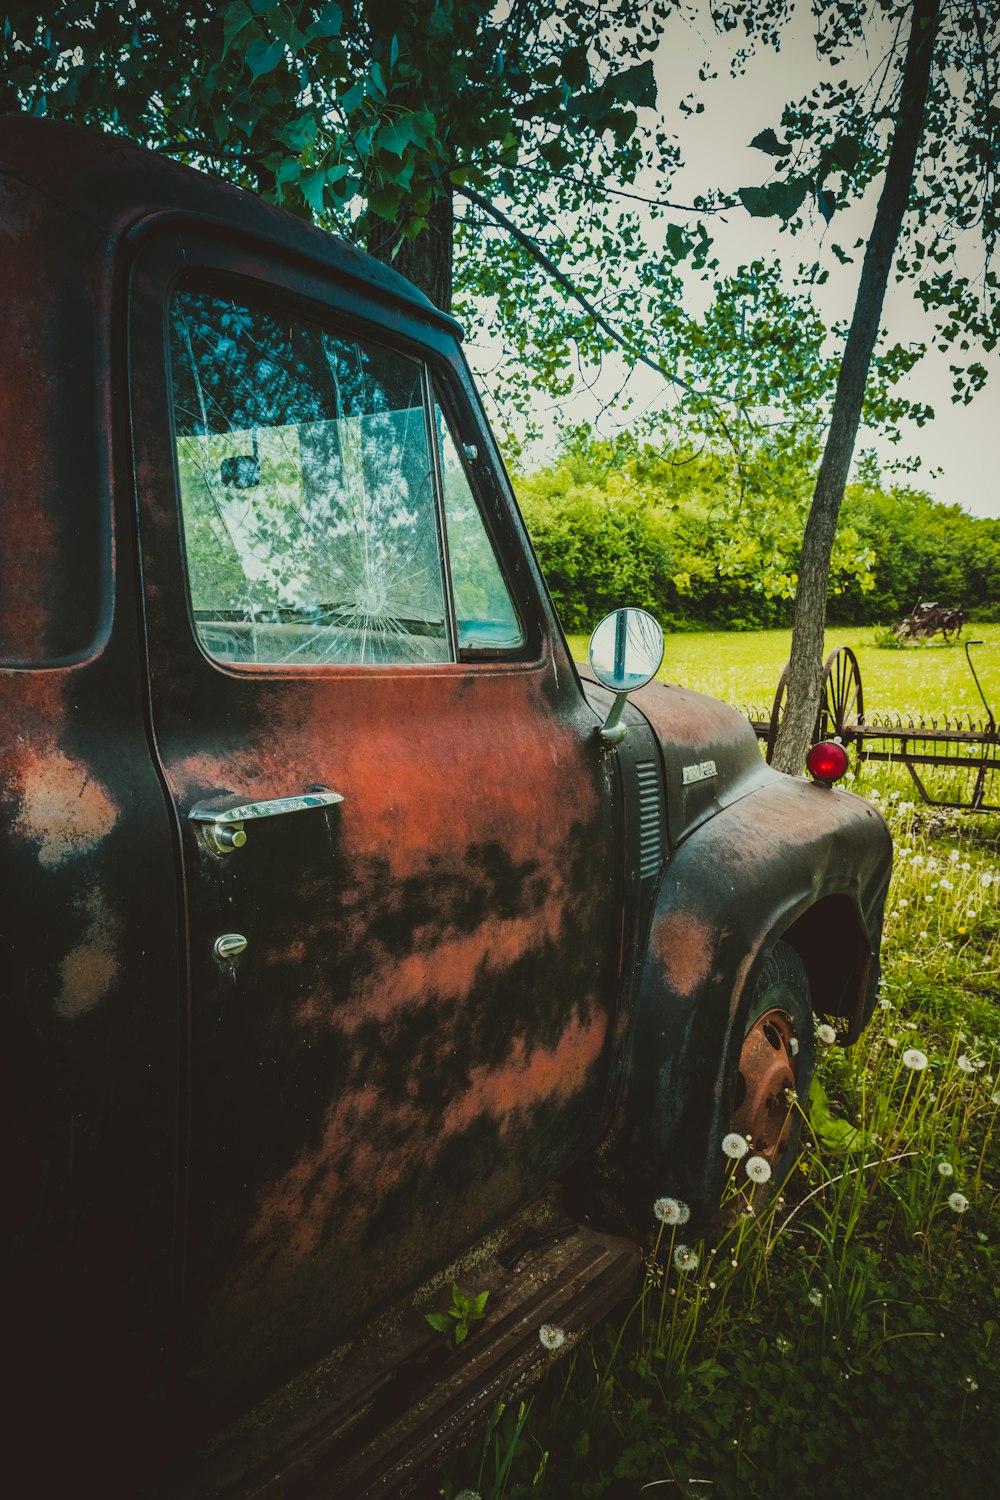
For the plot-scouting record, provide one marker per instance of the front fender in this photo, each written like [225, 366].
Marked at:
[790, 860]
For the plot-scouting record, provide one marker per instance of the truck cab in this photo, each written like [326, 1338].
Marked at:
[345, 958]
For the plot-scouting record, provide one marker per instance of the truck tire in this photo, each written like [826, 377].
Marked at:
[776, 1059]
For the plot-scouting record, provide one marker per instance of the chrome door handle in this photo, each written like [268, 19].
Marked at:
[222, 828]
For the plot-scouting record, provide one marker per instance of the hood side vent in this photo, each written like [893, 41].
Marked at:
[650, 818]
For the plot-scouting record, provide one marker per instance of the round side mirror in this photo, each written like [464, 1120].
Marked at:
[626, 649]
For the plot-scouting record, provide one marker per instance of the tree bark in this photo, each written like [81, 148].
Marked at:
[427, 260]
[809, 618]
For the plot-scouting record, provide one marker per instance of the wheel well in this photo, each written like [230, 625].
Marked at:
[832, 942]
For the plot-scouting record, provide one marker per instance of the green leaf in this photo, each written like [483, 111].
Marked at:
[263, 57]
[440, 1321]
[636, 86]
[477, 1304]
[827, 203]
[768, 141]
[835, 1134]
[396, 136]
[574, 66]
[678, 244]
[777, 199]
[236, 19]
[843, 153]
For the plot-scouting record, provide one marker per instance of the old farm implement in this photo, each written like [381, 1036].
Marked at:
[953, 761]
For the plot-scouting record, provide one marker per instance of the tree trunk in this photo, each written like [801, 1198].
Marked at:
[809, 619]
[426, 260]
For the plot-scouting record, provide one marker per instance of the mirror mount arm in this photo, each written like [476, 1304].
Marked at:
[612, 730]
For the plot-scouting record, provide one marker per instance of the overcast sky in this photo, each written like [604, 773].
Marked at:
[963, 441]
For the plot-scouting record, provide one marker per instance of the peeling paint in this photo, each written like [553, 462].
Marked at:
[684, 945]
[64, 809]
[89, 970]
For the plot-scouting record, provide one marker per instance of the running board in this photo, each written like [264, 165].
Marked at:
[379, 1413]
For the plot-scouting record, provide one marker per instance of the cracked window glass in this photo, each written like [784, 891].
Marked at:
[310, 521]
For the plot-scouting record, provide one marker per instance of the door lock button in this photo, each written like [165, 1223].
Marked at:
[229, 946]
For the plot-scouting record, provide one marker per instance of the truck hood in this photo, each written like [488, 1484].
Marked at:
[710, 753]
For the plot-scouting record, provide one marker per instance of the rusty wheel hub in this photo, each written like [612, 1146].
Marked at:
[768, 1070]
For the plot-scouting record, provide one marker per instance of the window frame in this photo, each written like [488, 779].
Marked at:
[476, 653]
[205, 267]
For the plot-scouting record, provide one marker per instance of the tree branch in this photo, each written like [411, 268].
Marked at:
[570, 288]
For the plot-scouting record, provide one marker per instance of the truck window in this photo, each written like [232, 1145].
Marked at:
[310, 517]
[486, 617]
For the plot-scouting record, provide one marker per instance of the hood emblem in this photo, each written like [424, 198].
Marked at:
[699, 772]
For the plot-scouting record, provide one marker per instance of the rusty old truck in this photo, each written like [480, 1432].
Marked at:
[356, 943]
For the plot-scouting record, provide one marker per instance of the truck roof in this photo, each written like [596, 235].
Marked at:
[114, 184]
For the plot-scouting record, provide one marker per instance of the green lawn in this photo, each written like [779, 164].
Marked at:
[743, 668]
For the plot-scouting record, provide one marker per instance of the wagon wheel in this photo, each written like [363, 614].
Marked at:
[777, 706]
[841, 704]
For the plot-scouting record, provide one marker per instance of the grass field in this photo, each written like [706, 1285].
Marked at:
[743, 668]
[846, 1340]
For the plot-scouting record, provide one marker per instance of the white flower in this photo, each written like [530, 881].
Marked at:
[758, 1169]
[815, 1296]
[550, 1337]
[946, 1169]
[735, 1145]
[959, 1202]
[671, 1211]
[970, 1383]
[685, 1259]
[965, 1064]
[915, 1059]
[826, 1034]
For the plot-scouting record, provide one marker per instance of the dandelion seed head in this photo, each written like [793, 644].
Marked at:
[671, 1211]
[903, 902]
[891, 1042]
[965, 1064]
[946, 1169]
[815, 1296]
[550, 1337]
[915, 1059]
[735, 1145]
[758, 1169]
[959, 1202]
[782, 1344]
[995, 1098]
[885, 1004]
[970, 1383]
[826, 1034]
[685, 1259]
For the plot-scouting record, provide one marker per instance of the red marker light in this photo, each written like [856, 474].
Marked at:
[827, 762]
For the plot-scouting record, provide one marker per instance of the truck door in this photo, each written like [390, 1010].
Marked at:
[397, 833]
